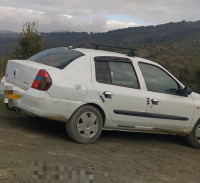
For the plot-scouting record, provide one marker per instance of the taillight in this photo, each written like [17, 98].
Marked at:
[42, 81]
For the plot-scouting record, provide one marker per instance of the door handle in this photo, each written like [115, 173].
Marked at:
[155, 101]
[107, 94]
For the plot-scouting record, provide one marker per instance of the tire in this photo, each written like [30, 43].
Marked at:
[85, 125]
[194, 137]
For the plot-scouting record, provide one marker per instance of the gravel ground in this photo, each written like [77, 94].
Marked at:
[115, 157]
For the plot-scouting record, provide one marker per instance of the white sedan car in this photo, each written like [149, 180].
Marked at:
[91, 90]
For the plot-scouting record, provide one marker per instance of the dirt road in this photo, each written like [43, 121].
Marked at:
[116, 157]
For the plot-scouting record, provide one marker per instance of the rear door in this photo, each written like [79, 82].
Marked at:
[117, 84]
[167, 109]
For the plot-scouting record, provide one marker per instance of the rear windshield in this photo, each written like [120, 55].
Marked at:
[56, 57]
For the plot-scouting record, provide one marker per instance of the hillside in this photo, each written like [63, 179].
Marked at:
[7, 32]
[174, 45]
[172, 42]
[8, 42]
[169, 43]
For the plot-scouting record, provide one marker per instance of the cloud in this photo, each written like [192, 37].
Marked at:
[112, 24]
[93, 16]
[66, 16]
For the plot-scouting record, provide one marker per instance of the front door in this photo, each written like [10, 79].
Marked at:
[167, 109]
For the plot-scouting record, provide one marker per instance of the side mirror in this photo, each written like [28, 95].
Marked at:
[186, 91]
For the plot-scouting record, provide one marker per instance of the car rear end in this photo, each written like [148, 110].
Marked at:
[26, 83]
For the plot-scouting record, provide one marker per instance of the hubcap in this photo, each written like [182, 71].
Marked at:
[198, 133]
[87, 125]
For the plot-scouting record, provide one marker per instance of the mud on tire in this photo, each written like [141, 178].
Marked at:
[85, 125]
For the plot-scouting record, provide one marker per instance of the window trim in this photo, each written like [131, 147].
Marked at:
[111, 59]
[116, 59]
[179, 86]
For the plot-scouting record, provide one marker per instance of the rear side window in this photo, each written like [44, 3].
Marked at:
[102, 72]
[116, 73]
[56, 57]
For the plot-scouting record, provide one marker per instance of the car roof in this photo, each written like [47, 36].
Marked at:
[99, 52]
[96, 53]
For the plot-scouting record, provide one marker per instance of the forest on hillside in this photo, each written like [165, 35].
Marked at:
[176, 46]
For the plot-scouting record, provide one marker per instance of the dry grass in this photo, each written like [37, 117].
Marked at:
[2, 105]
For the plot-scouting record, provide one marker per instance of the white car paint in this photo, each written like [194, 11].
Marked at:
[76, 85]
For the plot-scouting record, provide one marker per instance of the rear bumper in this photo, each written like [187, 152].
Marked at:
[39, 103]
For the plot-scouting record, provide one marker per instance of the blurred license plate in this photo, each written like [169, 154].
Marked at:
[10, 95]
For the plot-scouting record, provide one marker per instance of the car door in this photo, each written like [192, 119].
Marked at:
[167, 109]
[117, 84]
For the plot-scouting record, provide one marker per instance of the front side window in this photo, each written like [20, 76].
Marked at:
[158, 80]
[56, 57]
[116, 73]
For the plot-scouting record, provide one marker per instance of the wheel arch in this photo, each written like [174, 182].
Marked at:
[197, 121]
[188, 131]
[95, 106]
[100, 110]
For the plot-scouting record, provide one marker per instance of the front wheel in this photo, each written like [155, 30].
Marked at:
[85, 125]
[194, 138]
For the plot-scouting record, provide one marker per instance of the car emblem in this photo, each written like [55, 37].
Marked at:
[15, 72]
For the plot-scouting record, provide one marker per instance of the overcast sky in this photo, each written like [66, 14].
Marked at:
[94, 15]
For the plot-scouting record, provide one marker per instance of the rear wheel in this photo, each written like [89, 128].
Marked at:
[85, 125]
[194, 138]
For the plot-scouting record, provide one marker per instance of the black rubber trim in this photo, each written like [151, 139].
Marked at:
[130, 113]
[112, 59]
[150, 115]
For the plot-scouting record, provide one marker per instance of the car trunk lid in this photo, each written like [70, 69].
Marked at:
[23, 72]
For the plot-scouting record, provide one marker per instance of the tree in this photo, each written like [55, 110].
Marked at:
[30, 41]
[3, 62]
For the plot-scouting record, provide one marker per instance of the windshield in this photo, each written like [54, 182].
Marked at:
[56, 57]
